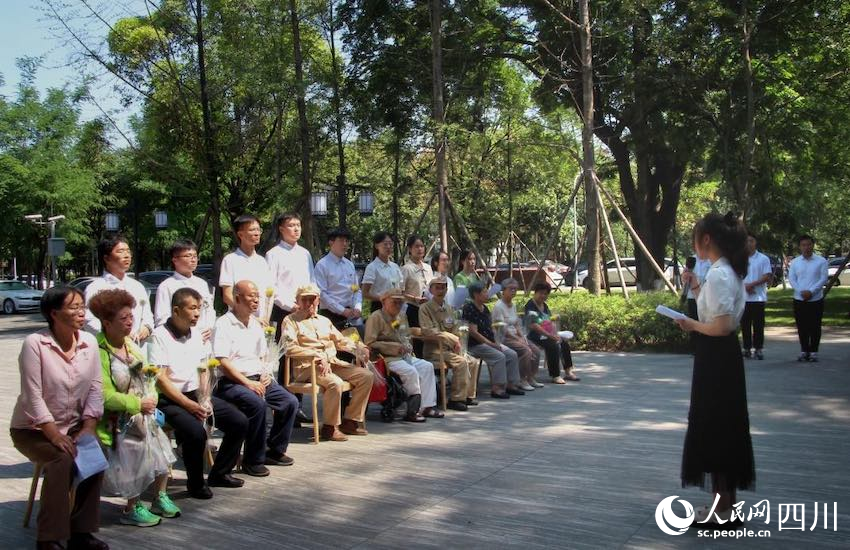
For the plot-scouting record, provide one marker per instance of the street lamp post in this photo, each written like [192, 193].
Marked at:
[55, 247]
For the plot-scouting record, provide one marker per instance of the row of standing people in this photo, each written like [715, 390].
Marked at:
[807, 274]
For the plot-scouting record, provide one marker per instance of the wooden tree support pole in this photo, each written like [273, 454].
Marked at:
[613, 246]
[636, 237]
[576, 186]
[834, 279]
[459, 221]
[422, 216]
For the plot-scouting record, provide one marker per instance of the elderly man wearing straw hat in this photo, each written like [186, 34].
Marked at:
[436, 317]
[389, 335]
[310, 336]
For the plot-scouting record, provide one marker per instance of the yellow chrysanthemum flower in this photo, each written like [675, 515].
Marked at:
[270, 330]
[395, 324]
[151, 370]
[355, 287]
[269, 292]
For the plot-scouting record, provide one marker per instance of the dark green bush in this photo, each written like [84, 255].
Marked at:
[609, 323]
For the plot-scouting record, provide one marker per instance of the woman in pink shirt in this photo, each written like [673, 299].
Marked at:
[61, 400]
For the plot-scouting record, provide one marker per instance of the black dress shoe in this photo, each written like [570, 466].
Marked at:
[414, 418]
[84, 541]
[457, 406]
[227, 480]
[255, 470]
[470, 402]
[276, 459]
[301, 416]
[514, 391]
[502, 395]
[201, 493]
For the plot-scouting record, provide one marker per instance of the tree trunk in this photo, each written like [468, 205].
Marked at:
[440, 141]
[303, 126]
[342, 185]
[211, 170]
[588, 160]
[743, 191]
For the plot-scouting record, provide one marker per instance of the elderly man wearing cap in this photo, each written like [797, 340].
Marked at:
[310, 336]
[341, 299]
[384, 333]
[436, 317]
[529, 356]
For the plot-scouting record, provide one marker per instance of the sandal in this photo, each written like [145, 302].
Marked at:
[433, 413]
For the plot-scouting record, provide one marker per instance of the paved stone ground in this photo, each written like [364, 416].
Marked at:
[576, 466]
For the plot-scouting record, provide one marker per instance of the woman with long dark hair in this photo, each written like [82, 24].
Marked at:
[417, 274]
[382, 273]
[466, 274]
[718, 443]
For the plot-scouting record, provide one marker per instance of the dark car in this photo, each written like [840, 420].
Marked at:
[80, 283]
[154, 277]
[776, 268]
[205, 272]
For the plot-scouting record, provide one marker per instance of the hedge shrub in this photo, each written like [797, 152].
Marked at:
[609, 323]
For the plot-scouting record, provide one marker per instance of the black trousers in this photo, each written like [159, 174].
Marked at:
[413, 322]
[808, 316]
[752, 325]
[192, 435]
[555, 352]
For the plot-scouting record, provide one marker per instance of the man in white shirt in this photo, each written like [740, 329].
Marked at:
[246, 264]
[759, 275]
[184, 257]
[239, 343]
[808, 274]
[178, 347]
[341, 299]
[115, 258]
[291, 267]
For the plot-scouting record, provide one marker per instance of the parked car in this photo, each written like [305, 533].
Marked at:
[834, 264]
[205, 272]
[154, 277]
[18, 296]
[629, 266]
[80, 283]
[776, 268]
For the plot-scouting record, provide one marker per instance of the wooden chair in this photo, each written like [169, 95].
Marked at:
[38, 467]
[311, 387]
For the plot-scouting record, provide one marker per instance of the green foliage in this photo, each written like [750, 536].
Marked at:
[609, 323]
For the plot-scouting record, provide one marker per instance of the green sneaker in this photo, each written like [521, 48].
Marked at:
[140, 517]
[164, 506]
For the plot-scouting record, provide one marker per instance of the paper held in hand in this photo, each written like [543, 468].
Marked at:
[671, 313]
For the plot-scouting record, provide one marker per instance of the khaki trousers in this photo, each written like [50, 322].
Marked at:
[462, 368]
[529, 356]
[361, 385]
[56, 519]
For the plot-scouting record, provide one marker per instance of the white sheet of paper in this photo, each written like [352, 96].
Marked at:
[671, 313]
[566, 335]
[90, 459]
[493, 290]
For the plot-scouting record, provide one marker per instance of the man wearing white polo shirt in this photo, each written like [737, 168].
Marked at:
[239, 343]
[759, 275]
[184, 257]
[178, 347]
[291, 266]
[807, 274]
[246, 264]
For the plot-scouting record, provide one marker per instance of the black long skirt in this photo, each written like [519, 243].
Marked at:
[718, 443]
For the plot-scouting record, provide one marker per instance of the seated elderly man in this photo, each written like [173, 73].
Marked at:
[239, 343]
[310, 336]
[179, 349]
[389, 335]
[436, 318]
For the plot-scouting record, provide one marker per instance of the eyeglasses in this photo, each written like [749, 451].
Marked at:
[188, 256]
[76, 309]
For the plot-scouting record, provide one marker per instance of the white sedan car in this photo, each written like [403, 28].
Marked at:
[844, 278]
[18, 296]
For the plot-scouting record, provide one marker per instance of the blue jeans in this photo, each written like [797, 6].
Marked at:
[284, 405]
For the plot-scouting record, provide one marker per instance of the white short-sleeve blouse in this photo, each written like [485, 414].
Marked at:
[722, 293]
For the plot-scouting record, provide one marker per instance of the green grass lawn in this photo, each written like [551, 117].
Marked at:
[780, 308]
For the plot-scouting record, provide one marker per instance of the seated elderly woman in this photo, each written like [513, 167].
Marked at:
[137, 449]
[60, 402]
[502, 360]
[544, 333]
[514, 336]
[390, 336]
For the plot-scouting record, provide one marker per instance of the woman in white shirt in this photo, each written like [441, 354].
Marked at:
[718, 439]
[381, 274]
